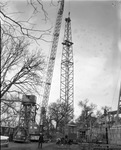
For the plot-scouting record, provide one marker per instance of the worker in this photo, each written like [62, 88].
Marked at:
[58, 142]
[66, 139]
[40, 140]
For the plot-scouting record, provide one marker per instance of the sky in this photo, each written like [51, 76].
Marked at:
[96, 49]
[95, 33]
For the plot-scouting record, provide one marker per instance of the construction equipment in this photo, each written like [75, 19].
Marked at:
[67, 73]
[51, 64]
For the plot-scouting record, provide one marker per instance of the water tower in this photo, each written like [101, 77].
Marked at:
[26, 118]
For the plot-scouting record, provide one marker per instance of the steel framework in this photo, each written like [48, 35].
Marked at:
[51, 63]
[67, 72]
[27, 116]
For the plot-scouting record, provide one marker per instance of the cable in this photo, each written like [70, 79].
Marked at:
[69, 5]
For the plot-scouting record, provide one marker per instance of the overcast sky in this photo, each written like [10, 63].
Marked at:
[95, 34]
[97, 58]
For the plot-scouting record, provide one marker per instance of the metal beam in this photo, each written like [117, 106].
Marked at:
[9, 100]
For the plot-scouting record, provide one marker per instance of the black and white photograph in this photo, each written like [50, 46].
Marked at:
[60, 74]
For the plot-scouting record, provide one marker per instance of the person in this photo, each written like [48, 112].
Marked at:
[66, 139]
[40, 140]
[58, 141]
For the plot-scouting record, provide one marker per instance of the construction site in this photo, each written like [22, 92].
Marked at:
[103, 134]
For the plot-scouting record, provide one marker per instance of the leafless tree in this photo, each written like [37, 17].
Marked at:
[22, 64]
[57, 111]
[106, 109]
[21, 70]
[86, 119]
[49, 126]
[9, 113]
[26, 27]
[20, 67]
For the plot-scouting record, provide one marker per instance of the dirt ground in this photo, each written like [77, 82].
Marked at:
[34, 146]
[27, 146]
[53, 146]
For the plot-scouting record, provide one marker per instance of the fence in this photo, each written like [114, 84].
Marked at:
[114, 135]
[99, 134]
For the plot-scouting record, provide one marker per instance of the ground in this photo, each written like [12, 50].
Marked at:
[34, 146]
[53, 146]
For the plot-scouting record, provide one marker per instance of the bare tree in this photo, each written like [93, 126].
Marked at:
[21, 69]
[9, 113]
[22, 65]
[86, 119]
[26, 27]
[57, 111]
[49, 126]
[106, 109]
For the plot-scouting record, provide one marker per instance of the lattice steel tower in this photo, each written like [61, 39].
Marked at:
[26, 117]
[51, 63]
[67, 72]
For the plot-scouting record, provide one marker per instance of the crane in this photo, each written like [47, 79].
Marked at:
[51, 63]
[67, 74]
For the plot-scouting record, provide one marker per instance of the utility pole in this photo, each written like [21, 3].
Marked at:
[67, 73]
[106, 129]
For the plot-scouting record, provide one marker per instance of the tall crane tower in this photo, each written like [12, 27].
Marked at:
[51, 63]
[67, 72]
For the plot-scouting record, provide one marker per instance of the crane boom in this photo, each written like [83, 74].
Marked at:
[51, 61]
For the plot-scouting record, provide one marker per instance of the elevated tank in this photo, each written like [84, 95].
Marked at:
[26, 118]
[29, 99]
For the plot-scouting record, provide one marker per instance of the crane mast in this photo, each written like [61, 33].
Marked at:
[51, 63]
[67, 74]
